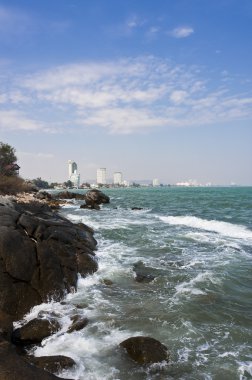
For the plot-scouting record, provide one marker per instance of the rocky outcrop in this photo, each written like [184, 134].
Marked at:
[78, 323]
[94, 198]
[41, 254]
[144, 350]
[14, 367]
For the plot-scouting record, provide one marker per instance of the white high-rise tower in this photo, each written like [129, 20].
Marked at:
[101, 176]
[118, 178]
[74, 177]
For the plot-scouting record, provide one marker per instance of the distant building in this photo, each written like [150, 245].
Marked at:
[101, 176]
[118, 178]
[72, 167]
[73, 176]
[155, 182]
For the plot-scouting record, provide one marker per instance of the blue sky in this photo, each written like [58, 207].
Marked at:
[151, 88]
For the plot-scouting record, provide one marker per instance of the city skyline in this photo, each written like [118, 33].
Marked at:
[153, 89]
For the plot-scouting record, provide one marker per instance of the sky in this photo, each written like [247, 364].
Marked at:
[152, 88]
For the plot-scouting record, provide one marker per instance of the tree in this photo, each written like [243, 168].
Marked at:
[8, 166]
[40, 183]
[68, 183]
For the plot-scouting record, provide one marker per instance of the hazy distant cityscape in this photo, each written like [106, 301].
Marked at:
[116, 180]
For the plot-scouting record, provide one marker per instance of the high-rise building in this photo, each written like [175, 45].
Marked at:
[101, 176]
[73, 176]
[118, 178]
[155, 182]
[72, 167]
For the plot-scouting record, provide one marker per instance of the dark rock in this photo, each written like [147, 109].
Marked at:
[136, 208]
[79, 323]
[18, 253]
[107, 282]
[69, 195]
[43, 195]
[87, 264]
[52, 364]
[6, 325]
[35, 331]
[143, 273]
[145, 350]
[95, 196]
[14, 367]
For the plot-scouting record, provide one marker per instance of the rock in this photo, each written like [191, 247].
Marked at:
[142, 272]
[69, 195]
[52, 364]
[6, 325]
[87, 264]
[95, 197]
[145, 350]
[43, 195]
[79, 323]
[41, 254]
[93, 206]
[136, 208]
[107, 282]
[14, 367]
[35, 331]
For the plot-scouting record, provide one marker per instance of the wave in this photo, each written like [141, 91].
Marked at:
[222, 228]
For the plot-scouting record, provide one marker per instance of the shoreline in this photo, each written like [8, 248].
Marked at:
[42, 254]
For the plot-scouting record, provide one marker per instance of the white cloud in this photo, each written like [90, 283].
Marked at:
[125, 96]
[16, 120]
[182, 32]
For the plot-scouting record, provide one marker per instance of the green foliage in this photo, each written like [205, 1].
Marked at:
[7, 160]
[68, 184]
[40, 183]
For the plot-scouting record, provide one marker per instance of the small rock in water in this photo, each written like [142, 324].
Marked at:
[78, 323]
[136, 208]
[144, 350]
[142, 272]
[107, 282]
[35, 331]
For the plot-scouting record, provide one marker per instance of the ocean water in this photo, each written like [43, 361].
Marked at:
[197, 242]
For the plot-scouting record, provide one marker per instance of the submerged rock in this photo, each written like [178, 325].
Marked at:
[144, 350]
[143, 273]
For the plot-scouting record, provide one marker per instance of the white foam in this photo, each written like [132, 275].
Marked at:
[245, 368]
[190, 287]
[223, 228]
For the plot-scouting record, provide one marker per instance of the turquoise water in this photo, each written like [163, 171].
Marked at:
[197, 242]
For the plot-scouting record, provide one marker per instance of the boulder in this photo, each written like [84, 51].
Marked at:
[144, 350]
[35, 331]
[6, 325]
[95, 197]
[79, 322]
[136, 208]
[87, 264]
[15, 367]
[52, 364]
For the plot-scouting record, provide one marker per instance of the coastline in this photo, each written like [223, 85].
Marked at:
[42, 254]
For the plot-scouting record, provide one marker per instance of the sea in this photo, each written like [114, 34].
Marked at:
[197, 244]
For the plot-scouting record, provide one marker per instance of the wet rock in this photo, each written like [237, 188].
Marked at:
[143, 273]
[144, 350]
[96, 197]
[87, 264]
[52, 364]
[79, 323]
[35, 331]
[136, 208]
[69, 195]
[14, 367]
[107, 282]
[43, 195]
[6, 325]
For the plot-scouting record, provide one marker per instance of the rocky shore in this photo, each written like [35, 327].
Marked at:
[41, 254]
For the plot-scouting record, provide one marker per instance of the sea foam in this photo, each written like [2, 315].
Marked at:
[223, 228]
